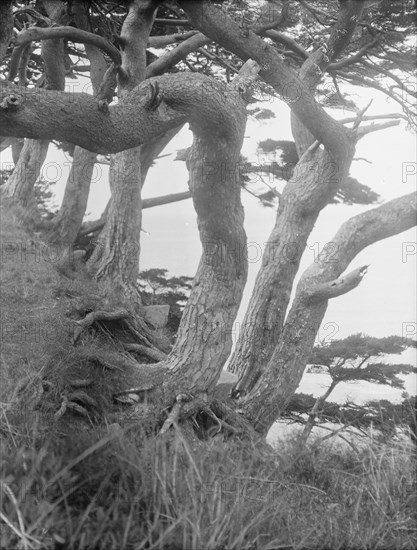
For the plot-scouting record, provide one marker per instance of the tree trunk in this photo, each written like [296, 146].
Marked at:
[320, 282]
[315, 181]
[317, 177]
[6, 27]
[67, 223]
[116, 257]
[148, 152]
[312, 416]
[204, 338]
[20, 184]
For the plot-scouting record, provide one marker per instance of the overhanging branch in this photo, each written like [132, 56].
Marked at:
[70, 33]
[76, 118]
[215, 24]
[391, 218]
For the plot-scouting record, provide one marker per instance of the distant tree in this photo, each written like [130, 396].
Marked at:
[352, 359]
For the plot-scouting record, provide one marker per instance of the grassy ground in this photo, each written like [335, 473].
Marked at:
[119, 491]
[27, 278]
[115, 489]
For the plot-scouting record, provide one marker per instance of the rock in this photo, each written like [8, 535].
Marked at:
[225, 385]
[157, 315]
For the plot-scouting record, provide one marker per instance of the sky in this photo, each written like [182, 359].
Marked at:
[384, 302]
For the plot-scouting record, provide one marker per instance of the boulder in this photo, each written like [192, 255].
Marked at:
[157, 315]
[225, 385]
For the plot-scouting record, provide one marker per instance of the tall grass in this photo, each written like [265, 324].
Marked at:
[121, 490]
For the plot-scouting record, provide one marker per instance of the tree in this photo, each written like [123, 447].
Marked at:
[352, 360]
[276, 339]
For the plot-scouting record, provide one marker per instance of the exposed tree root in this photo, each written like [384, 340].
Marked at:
[152, 353]
[96, 316]
[109, 372]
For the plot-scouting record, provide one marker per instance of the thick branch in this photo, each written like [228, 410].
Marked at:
[69, 33]
[77, 119]
[281, 38]
[365, 229]
[285, 369]
[313, 68]
[353, 58]
[219, 27]
[167, 39]
[171, 58]
[134, 38]
[204, 334]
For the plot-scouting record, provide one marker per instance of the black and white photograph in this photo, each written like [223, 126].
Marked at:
[208, 270]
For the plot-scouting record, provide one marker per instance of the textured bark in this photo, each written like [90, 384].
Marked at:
[20, 184]
[204, 338]
[153, 148]
[59, 33]
[280, 379]
[215, 24]
[117, 253]
[171, 58]
[67, 223]
[28, 167]
[116, 256]
[316, 180]
[76, 118]
[6, 27]
[53, 52]
[148, 153]
[17, 146]
[315, 65]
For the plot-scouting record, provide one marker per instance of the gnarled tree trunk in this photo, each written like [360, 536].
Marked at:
[66, 224]
[117, 252]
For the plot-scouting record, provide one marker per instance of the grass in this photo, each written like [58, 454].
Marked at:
[106, 490]
[100, 488]
[27, 279]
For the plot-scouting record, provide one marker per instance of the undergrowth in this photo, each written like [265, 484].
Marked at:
[108, 488]
[113, 489]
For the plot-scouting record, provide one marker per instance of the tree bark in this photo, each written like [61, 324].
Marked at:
[215, 24]
[316, 180]
[204, 337]
[20, 185]
[21, 182]
[149, 151]
[117, 253]
[76, 118]
[317, 177]
[66, 224]
[6, 27]
[280, 379]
